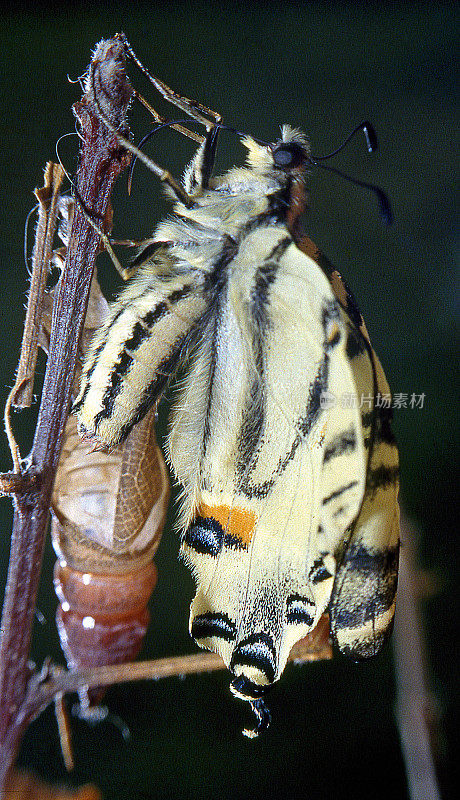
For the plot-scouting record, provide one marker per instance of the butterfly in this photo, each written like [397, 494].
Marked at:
[279, 435]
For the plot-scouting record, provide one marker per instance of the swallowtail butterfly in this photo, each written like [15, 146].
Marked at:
[289, 504]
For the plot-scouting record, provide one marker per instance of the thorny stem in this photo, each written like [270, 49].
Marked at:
[101, 161]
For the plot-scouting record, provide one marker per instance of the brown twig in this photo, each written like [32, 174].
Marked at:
[101, 161]
[314, 647]
[47, 197]
[18, 483]
[54, 681]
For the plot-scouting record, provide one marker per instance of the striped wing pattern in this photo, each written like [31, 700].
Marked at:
[289, 504]
[363, 599]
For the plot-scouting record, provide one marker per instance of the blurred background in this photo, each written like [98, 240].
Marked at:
[322, 67]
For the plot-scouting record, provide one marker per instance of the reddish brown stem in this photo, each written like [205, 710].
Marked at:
[101, 161]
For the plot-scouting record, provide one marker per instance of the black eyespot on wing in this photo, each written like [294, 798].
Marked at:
[288, 156]
[205, 535]
[257, 651]
[300, 610]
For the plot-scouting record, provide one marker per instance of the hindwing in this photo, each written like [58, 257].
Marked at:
[363, 597]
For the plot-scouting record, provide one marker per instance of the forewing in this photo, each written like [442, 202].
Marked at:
[260, 543]
[136, 352]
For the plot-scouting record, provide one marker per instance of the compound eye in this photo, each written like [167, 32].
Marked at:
[288, 156]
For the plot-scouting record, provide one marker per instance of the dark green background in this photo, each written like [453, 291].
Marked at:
[324, 67]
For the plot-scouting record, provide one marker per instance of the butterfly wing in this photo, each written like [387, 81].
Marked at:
[138, 349]
[363, 597]
[262, 523]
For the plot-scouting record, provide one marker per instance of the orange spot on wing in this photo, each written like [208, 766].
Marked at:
[238, 522]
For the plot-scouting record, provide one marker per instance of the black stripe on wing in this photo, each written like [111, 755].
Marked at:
[213, 624]
[344, 442]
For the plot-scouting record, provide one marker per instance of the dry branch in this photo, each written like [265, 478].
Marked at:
[101, 161]
[47, 197]
[313, 647]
